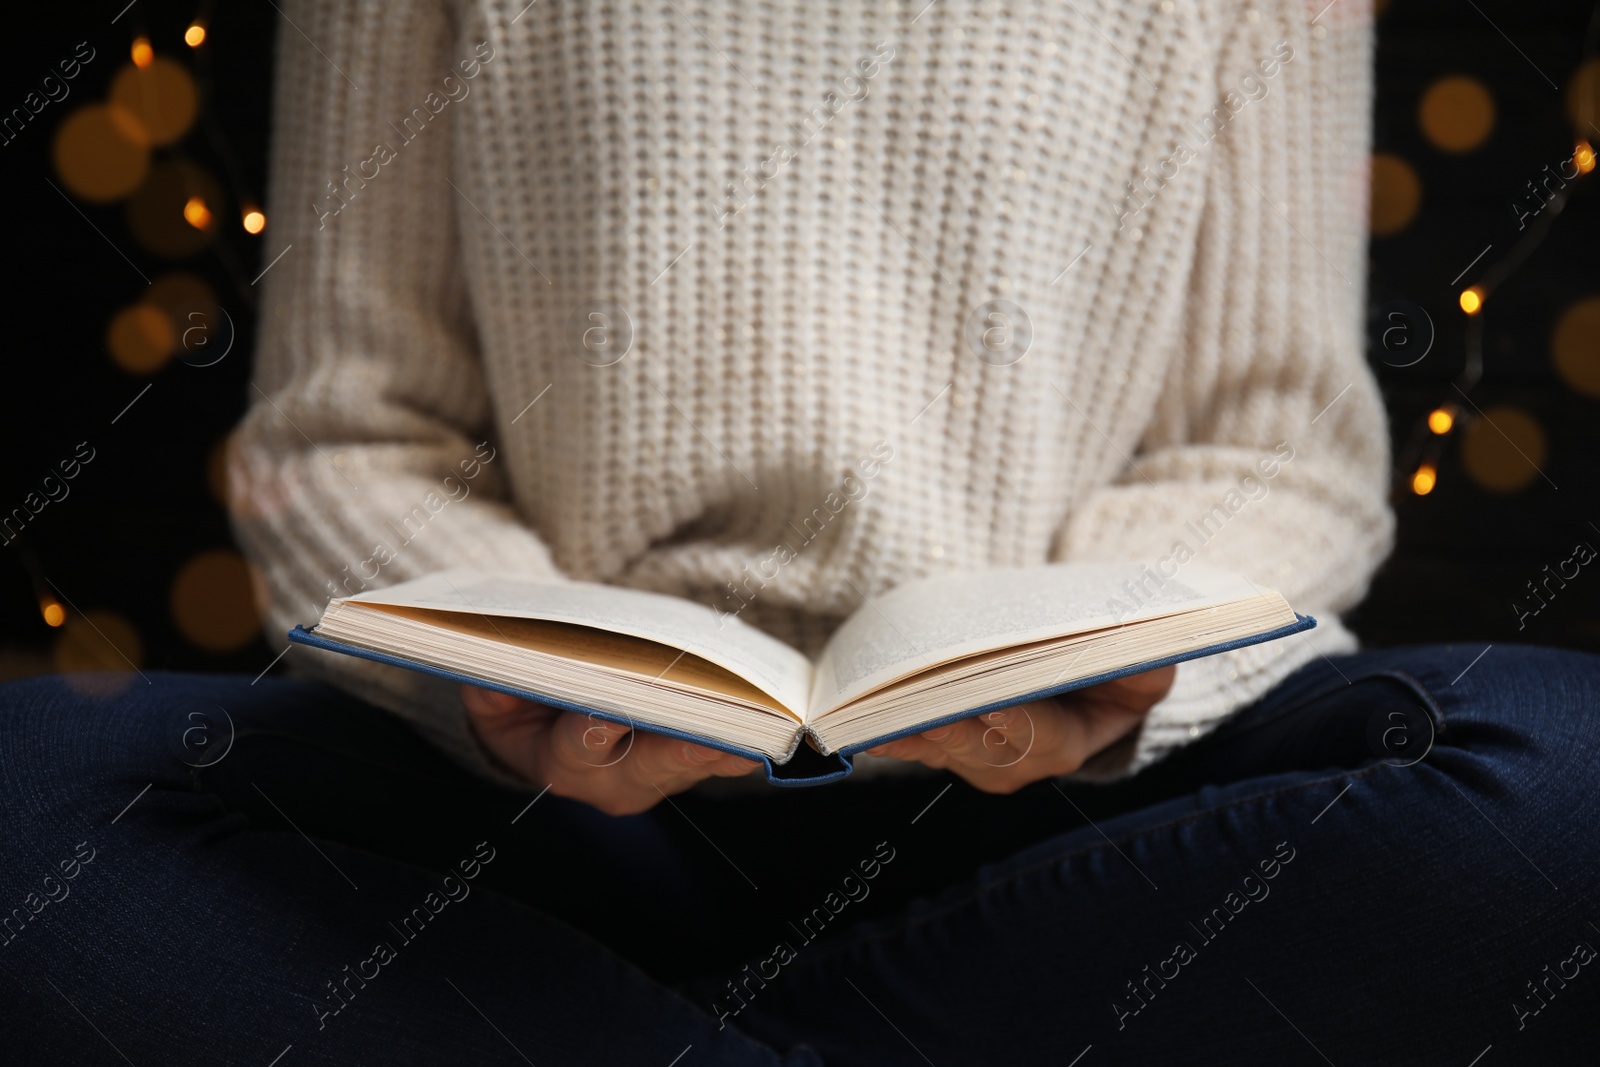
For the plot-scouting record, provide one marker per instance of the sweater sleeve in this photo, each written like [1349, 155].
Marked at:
[363, 459]
[1269, 375]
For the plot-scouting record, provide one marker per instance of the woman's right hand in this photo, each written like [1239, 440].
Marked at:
[616, 769]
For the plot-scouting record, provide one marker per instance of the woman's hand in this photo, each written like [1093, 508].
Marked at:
[618, 770]
[1005, 750]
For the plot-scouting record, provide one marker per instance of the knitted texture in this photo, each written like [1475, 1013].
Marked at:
[706, 279]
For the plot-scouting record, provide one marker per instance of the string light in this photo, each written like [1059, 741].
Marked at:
[1424, 480]
[1430, 439]
[54, 614]
[164, 90]
[196, 213]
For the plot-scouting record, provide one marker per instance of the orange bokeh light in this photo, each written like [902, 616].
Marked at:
[195, 35]
[1471, 300]
[1440, 421]
[101, 153]
[1424, 480]
[159, 96]
[254, 221]
[143, 55]
[196, 213]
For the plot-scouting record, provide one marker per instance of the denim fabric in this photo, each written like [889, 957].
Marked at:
[1390, 859]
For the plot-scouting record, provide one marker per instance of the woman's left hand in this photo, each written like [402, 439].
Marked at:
[1002, 751]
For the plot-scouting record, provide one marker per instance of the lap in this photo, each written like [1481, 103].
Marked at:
[1397, 797]
[200, 869]
[1304, 876]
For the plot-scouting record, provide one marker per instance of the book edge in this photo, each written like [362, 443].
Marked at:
[302, 636]
[1301, 623]
[844, 756]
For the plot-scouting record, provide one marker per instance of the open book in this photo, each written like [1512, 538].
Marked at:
[926, 653]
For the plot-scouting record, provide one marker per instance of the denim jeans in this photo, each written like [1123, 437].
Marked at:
[1390, 859]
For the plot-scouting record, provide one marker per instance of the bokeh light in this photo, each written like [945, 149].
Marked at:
[101, 153]
[1575, 346]
[161, 94]
[195, 213]
[1396, 194]
[213, 601]
[195, 35]
[140, 338]
[52, 611]
[188, 303]
[1583, 95]
[157, 212]
[254, 221]
[1440, 420]
[1472, 300]
[141, 53]
[1456, 114]
[1424, 480]
[98, 641]
[1503, 450]
[178, 289]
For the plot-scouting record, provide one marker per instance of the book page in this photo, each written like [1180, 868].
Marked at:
[923, 624]
[599, 648]
[762, 660]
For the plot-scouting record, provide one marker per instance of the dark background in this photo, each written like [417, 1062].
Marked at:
[139, 554]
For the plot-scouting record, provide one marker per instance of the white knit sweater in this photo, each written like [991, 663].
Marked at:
[788, 221]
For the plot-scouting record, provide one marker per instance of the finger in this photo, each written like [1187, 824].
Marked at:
[582, 759]
[1151, 686]
[600, 743]
[1106, 717]
[995, 752]
[982, 742]
[1001, 752]
[539, 742]
[626, 772]
[488, 702]
[584, 743]
[652, 767]
[1010, 736]
[514, 737]
[988, 778]
[934, 748]
[728, 765]
[1060, 741]
[672, 765]
[937, 751]
[1140, 690]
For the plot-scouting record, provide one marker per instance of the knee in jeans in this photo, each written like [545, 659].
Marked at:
[1548, 696]
[67, 732]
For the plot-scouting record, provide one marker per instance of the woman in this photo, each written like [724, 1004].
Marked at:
[619, 292]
